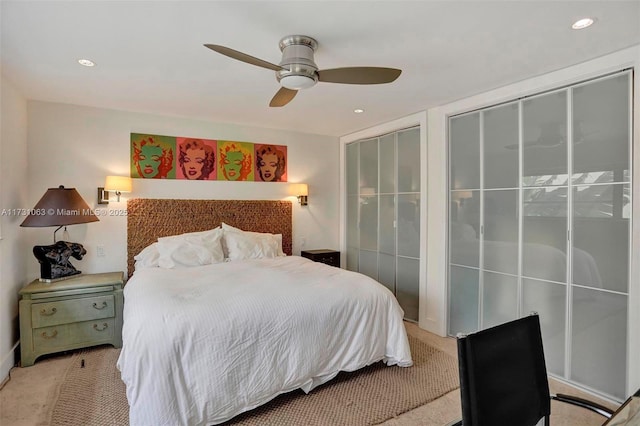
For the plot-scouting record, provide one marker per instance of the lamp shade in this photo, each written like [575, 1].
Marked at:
[58, 207]
[299, 189]
[117, 184]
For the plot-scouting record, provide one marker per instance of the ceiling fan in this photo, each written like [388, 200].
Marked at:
[297, 69]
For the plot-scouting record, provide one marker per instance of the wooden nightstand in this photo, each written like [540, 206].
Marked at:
[70, 314]
[330, 257]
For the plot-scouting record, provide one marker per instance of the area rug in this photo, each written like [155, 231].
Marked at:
[93, 394]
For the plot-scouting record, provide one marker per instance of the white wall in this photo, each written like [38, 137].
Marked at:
[437, 179]
[78, 146]
[13, 190]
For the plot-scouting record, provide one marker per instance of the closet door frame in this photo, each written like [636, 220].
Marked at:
[414, 120]
[570, 185]
[438, 177]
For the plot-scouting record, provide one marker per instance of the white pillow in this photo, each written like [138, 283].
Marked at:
[277, 237]
[192, 249]
[148, 257]
[242, 245]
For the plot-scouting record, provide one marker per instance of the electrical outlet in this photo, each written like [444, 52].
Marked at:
[100, 251]
[303, 241]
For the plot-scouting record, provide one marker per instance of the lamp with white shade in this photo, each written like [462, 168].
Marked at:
[300, 190]
[117, 184]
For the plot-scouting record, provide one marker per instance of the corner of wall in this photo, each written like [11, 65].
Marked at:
[13, 195]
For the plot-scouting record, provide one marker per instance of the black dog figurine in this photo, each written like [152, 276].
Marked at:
[54, 259]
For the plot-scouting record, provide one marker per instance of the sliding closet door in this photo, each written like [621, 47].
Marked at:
[464, 224]
[408, 221]
[500, 213]
[368, 253]
[484, 226]
[387, 246]
[545, 219]
[352, 176]
[539, 211]
[601, 210]
[383, 213]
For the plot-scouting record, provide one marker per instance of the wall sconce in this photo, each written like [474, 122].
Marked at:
[117, 184]
[300, 190]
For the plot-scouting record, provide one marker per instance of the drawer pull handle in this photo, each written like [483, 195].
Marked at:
[44, 312]
[54, 334]
[104, 327]
[104, 305]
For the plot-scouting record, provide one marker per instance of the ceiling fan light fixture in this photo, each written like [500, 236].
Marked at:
[297, 82]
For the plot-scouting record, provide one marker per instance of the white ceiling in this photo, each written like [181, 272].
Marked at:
[150, 55]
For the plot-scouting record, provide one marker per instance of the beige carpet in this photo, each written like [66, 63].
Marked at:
[92, 392]
[95, 395]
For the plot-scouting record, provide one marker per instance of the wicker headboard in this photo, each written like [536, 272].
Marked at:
[148, 219]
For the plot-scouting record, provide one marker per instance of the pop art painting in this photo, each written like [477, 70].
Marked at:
[186, 158]
[271, 163]
[196, 159]
[235, 161]
[153, 156]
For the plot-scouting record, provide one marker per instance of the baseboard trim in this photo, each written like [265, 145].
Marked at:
[5, 381]
[8, 362]
[594, 393]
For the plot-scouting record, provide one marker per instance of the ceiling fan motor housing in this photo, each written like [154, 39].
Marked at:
[297, 57]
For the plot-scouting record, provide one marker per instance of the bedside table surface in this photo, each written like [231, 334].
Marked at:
[77, 282]
[319, 251]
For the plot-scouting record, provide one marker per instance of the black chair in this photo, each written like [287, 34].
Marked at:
[503, 377]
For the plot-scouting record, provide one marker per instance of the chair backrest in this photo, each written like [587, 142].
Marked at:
[503, 376]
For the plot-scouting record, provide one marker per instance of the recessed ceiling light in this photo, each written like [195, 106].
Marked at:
[358, 110]
[86, 62]
[582, 23]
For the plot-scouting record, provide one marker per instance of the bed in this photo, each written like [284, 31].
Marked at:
[203, 344]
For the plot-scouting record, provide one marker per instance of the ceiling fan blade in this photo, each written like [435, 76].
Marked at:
[243, 57]
[359, 75]
[283, 97]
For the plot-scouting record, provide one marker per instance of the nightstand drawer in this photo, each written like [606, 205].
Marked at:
[72, 310]
[326, 256]
[329, 260]
[65, 335]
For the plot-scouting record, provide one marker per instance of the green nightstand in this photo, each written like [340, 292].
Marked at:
[82, 311]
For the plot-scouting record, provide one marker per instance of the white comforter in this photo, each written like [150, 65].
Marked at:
[203, 344]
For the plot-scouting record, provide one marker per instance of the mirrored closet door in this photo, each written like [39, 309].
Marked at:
[383, 213]
[539, 212]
